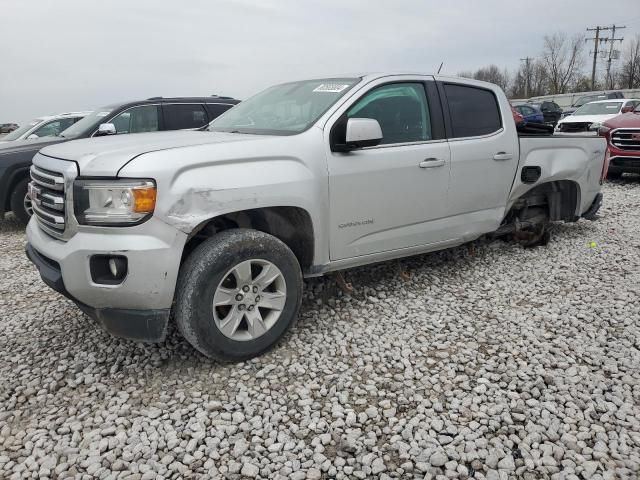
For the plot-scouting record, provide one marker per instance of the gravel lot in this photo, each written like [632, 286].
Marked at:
[490, 362]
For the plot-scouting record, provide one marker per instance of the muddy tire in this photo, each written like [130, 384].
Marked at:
[238, 293]
[18, 201]
[536, 235]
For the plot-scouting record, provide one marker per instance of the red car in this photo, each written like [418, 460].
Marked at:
[517, 116]
[623, 141]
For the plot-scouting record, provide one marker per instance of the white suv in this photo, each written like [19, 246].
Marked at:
[49, 126]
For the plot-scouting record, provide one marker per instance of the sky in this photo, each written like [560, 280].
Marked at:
[72, 55]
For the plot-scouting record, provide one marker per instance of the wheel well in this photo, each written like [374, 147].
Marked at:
[292, 225]
[560, 197]
[18, 176]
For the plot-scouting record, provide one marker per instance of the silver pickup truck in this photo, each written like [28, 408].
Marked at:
[221, 226]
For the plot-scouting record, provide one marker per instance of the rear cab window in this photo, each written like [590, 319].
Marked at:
[474, 111]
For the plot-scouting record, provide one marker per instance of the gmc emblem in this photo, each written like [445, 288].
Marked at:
[34, 194]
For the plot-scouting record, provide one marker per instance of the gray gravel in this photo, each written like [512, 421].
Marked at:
[489, 362]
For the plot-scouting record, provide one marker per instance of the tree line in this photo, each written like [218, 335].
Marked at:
[563, 66]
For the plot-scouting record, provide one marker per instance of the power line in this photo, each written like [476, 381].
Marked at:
[596, 43]
[613, 39]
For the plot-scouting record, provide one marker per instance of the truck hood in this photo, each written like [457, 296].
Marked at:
[626, 120]
[105, 156]
[587, 118]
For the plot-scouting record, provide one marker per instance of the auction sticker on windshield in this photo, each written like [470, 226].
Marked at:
[331, 87]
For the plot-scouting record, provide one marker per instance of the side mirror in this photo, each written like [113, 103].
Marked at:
[362, 132]
[627, 109]
[106, 129]
[33, 136]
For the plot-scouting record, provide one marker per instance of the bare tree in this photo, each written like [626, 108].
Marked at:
[537, 77]
[562, 57]
[629, 74]
[466, 74]
[490, 74]
[493, 74]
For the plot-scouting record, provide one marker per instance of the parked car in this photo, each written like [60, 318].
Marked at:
[623, 139]
[530, 113]
[49, 126]
[154, 114]
[584, 99]
[518, 118]
[8, 127]
[551, 111]
[590, 117]
[302, 179]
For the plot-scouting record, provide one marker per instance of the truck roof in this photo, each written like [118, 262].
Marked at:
[441, 78]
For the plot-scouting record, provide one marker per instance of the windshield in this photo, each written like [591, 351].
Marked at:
[87, 122]
[284, 109]
[589, 98]
[21, 131]
[609, 108]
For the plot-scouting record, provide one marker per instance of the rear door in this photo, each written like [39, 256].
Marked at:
[393, 195]
[484, 155]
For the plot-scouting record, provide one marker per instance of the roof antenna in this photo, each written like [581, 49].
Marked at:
[440, 68]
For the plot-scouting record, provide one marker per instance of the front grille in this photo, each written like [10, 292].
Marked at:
[47, 190]
[575, 126]
[626, 139]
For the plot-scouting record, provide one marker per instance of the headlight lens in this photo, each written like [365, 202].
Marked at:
[595, 126]
[113, 202]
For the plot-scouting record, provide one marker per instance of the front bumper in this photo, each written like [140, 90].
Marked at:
[624, 162]
[137, 308]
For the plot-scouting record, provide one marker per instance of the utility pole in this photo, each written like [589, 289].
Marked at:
[527, 70]
[613, 39]
[596, 40]
[596, 43]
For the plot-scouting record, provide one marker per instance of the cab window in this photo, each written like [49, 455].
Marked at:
[180, 116]
[401, 109]
[137, 120]
[474, 111]
[53, 128]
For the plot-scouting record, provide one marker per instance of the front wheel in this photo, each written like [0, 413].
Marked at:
[238, 293]
[20, 202]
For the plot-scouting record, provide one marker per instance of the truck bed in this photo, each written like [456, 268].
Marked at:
[562, 158]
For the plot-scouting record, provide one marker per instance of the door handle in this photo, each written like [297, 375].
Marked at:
[502, 156]
[431, 163]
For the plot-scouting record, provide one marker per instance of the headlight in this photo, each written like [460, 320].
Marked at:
[595, 126]
[113, 202]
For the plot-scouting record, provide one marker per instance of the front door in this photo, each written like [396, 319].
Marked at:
[394, 195]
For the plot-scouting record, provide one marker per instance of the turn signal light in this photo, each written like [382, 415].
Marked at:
[144, 199]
